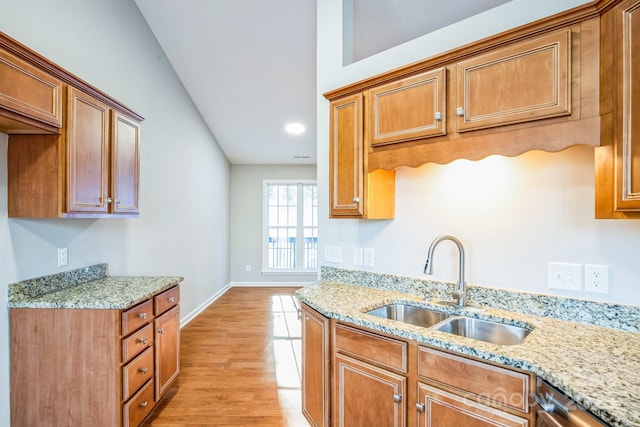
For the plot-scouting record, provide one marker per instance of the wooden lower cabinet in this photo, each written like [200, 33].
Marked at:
[92, 367]
[315, 367]
[378, 379]
[367, 395]
[440, 408]
[167, 349]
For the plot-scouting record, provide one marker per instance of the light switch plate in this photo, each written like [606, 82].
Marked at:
[333, 254]
[564, 275]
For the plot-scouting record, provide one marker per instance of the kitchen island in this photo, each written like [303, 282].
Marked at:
[597, 366]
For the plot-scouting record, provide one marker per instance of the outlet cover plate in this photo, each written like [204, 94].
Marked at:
[596, 278]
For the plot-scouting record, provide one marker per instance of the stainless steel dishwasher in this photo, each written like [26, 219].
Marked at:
[554, 409]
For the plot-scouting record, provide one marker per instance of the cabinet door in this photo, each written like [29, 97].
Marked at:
[26, 91]
[440, 408]
[346, 161]
[627, 106]
[522, 82]
[368, 396]
[125, 163]
[315, 367]
[167, 343]
[411, 108]
[87, 153]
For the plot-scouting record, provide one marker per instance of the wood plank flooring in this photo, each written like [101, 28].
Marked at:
[240, 364]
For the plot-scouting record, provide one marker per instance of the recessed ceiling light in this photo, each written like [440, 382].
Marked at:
[295, 128]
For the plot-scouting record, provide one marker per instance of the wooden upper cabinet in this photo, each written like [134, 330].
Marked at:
[354, 192]
[125, 163]
[411, 108]
[88, 153]
[346, 158]
[628, 106]
[617, 172]
[30, 99]
[524, 81]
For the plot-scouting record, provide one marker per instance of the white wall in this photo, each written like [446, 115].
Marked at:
[183, 228]
[246, 221]
[513, 215]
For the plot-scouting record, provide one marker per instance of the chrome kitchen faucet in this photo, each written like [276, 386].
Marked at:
[460, 293]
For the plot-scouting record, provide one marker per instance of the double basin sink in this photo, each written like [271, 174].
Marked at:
[478, 329]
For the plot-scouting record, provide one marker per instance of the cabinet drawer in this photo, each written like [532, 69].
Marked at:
[137, 316]
[373, 348]
[29, 91]
[501, 385]
[136, 343]
[136, 373]
[167, 299]
[134, 411]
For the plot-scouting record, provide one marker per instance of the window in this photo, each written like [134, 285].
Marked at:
[290, 227]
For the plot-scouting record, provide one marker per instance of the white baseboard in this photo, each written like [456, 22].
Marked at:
[189, 317]
[269, 284]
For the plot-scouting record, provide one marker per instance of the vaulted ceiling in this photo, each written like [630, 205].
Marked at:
[250, 65]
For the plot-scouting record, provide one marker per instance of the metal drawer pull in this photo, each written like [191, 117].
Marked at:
[356, 200]
[172, 299]
[161, 331]
[397, 398]
[143, 404]
[143, 370]
[460, 111]
[437, 116]
[420, 407]
[142, 341]
[142, 315]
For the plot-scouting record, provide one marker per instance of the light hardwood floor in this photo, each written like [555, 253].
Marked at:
[240, 364]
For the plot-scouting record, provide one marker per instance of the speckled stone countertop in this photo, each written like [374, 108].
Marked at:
[596, 366]
[87, 288]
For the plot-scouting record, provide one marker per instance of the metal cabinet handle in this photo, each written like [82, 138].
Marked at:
[460, 111]
[143, 370]
[109, 200]
[356, 200]
[397, 397]
[437, 116]
[142, 315]
[420, 407]
[161, 330]
[142, 341]
[172, 299]
[143, 404]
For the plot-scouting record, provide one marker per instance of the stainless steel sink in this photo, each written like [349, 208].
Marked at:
[409, 314]
[483, 330]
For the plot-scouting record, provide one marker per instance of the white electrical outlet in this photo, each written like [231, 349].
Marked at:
[357, 256]
[333, 254]
[62, 257]
[596, 278]
[368, 257]
[247, 267]
[563, 275]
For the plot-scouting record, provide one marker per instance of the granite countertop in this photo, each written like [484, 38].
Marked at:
[87, 288]
[598, 367]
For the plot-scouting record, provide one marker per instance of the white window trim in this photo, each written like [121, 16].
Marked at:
[265, 229]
